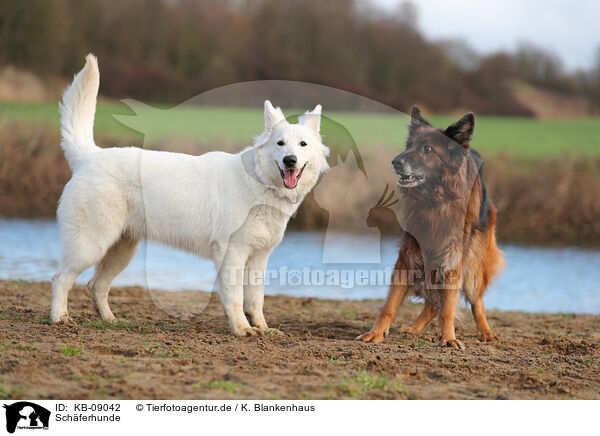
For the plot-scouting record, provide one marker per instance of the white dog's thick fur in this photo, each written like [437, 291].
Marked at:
[231, 208]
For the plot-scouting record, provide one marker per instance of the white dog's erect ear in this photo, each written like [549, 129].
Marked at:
[312, 119]
[272, 115]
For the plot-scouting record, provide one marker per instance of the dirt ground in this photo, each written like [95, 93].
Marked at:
[154, 355]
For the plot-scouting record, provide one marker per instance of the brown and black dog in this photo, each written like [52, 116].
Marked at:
[448, 240]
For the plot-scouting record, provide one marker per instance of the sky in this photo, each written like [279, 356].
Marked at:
[569, 28]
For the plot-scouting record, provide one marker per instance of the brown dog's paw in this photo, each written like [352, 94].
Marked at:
[371, 336]
[408, 329]
[487, 336]
[452, 343]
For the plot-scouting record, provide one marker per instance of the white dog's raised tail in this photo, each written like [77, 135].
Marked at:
[77, 111]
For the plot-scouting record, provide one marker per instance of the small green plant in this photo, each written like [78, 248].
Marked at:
[491, 389]
[225, 385]
[348, 390]
[170, 327]
[366, 381]
[108, 325]
[568, 316]
[180, 353]
[139, 327]
[150, 347]
[420, 343]
[164, 351]
[362, 382]
[101, 384]
[332, 360]
[6, 393]
[399, 387]
[69, 350]
[352, 313]
[27, 348]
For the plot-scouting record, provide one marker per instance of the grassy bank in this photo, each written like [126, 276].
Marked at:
[544, 199]
[154, 355]
[493, 135]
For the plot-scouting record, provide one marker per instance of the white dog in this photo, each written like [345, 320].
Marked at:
[231, 208]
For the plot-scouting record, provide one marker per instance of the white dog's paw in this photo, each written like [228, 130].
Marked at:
[62, 319]
[247, 331]
[258, 321]
[111, 319]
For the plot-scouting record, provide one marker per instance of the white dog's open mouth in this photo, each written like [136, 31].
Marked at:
[290, 176]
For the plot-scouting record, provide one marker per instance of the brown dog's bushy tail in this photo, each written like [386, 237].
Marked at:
[495, 257]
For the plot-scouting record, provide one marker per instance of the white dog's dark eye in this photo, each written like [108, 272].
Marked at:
[427, 149]
[280, 143]
[303, 143]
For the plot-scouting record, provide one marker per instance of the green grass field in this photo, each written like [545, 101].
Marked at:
[518, 136]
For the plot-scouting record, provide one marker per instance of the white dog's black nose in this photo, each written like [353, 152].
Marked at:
[290, 160]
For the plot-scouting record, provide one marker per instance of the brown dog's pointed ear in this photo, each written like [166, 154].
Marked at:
[415, 112]
[462, 131]
[416, 120]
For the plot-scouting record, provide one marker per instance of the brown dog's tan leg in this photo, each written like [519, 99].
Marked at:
[424, 318]
[447, 315]
[381, 328]
[485, 333]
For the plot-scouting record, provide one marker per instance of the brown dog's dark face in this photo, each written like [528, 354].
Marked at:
[431, 153]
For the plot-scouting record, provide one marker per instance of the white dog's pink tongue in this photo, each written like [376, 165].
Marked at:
[291, 178]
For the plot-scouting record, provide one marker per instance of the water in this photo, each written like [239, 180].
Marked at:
[535, 280]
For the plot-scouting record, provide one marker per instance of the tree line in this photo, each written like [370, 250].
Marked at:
[169, 50]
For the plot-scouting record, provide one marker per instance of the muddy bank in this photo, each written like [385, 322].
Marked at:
[154, 355]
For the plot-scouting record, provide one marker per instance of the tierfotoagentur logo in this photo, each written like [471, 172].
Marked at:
[339, 277]
[24, 415]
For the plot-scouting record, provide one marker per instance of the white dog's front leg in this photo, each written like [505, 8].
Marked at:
[254, 291]
[231, 292]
